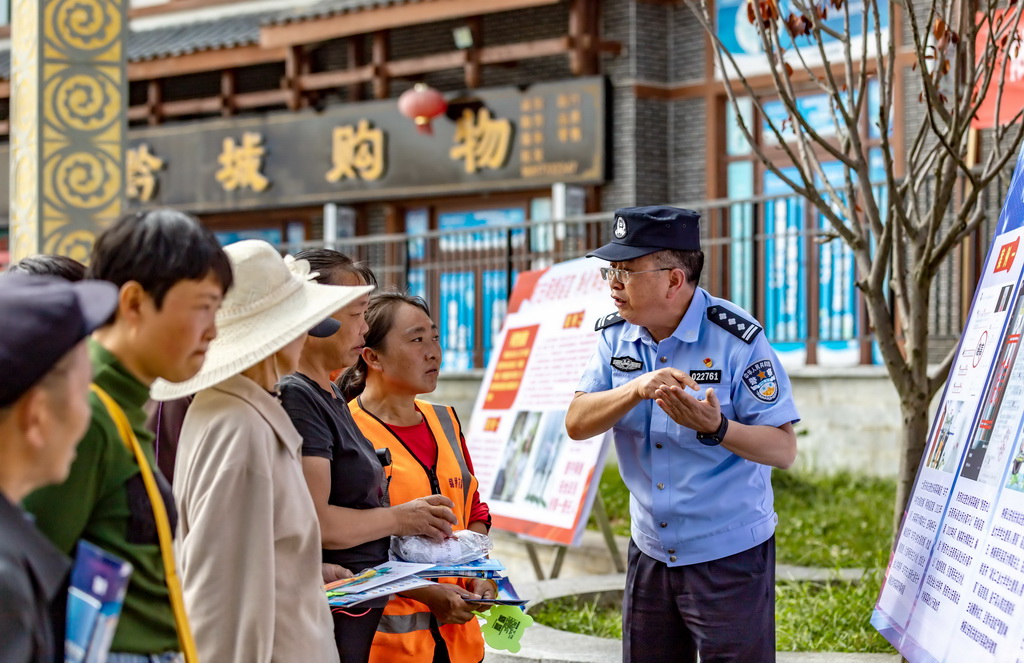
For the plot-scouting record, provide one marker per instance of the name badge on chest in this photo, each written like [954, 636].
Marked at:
[707, 377]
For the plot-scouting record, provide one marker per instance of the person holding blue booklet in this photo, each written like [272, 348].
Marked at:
[44, 411]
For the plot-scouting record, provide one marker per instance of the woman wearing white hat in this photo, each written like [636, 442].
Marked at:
[248, 533]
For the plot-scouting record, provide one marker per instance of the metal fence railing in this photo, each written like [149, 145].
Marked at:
[769, 255]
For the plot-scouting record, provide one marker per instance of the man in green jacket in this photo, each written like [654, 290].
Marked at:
[172, 275]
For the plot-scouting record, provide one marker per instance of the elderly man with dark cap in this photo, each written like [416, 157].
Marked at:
[701, 411]
[44, 411]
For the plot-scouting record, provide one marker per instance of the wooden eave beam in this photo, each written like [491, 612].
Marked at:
[525, 50]
[383, 18]
[324, 80]
[194, 63]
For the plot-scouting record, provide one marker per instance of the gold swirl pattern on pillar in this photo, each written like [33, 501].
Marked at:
[76, 244]
[84, 180]
[85, 25]
[84, 102]
[68, 122]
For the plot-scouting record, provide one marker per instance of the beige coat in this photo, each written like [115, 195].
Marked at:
[248, 536]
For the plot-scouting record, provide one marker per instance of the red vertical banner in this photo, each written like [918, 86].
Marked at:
[1008, 46]
[508, 374]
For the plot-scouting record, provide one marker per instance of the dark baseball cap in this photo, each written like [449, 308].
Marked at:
[41, 319]
[640, 231]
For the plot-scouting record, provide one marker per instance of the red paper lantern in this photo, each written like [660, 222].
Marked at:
[422, 103]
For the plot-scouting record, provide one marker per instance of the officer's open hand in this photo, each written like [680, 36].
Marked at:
[702, 416]
[646, 386]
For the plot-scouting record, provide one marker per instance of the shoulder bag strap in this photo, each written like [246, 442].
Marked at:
[163, 525]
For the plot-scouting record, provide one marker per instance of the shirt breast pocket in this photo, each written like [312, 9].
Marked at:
[634, 420]
[724, 393]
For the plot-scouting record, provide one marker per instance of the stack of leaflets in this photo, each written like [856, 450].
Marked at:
[396, 576]
[480, 568]
[381, 580]
[99, 581]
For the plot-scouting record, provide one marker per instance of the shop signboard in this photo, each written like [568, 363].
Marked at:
[492, 139]
[954, 589]
[537, 481]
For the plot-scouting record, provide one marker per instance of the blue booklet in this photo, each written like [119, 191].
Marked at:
[480, 568]
[99, 581]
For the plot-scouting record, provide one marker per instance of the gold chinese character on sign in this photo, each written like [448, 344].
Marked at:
[481, 141]
[140, 178]
[240, 164]
[532, 142]
[357, 152]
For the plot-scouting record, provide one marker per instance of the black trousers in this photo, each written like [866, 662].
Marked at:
[724, 609]
[354, 635]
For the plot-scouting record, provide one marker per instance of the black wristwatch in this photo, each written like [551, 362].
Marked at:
[715, 438]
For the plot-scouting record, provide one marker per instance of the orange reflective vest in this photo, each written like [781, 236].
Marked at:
[407, 631]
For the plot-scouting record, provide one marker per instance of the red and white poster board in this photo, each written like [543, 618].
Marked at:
[536, 481]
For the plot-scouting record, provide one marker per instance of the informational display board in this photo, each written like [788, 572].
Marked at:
[536, 480]
[954, 589]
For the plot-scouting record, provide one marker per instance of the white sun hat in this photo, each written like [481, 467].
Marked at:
[273, 302]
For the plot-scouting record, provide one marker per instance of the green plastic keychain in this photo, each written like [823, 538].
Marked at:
[504, 627]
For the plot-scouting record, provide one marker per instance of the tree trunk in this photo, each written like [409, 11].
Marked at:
[916, 421]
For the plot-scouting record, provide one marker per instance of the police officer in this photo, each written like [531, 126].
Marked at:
[701, 410]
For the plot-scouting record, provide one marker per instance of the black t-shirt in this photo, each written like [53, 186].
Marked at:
[357, 478]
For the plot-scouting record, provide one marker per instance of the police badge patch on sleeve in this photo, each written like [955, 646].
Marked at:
[627, 364]
[761, 381]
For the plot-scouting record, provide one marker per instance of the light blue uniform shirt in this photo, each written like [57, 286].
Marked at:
[689, 502]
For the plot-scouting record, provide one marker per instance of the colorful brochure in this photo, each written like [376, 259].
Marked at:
[381, 580]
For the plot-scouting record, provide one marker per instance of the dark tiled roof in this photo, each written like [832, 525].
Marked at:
[229, 32]
[326, 8]
[182, 39]
[193, 37]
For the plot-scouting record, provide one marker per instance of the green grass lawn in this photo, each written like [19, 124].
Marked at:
[839, 521]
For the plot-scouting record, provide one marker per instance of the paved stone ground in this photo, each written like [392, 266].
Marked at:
[542, 644]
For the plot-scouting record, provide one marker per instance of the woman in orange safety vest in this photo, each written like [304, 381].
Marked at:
[401, 359]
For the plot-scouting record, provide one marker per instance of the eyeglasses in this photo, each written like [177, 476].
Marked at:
[623, 275]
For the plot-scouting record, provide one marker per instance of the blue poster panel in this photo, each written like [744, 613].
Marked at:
[461, 307]
[455, 320]
[740, 37]
[785, 316]
[271, 235]
[954, 588]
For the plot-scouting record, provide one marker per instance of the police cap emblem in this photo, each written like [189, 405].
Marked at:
[620, 228]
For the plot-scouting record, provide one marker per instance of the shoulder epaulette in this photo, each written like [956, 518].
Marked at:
[737, 325]
[608, 321]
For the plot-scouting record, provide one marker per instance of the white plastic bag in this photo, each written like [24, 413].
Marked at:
[464, 546]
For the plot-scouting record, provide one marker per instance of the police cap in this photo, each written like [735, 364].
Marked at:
[41, 319]
[639, 231]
